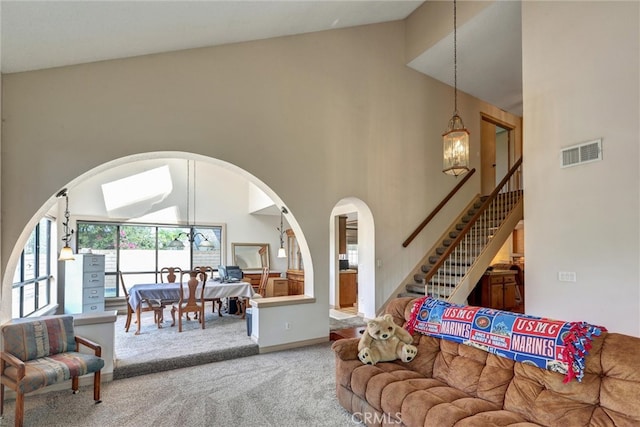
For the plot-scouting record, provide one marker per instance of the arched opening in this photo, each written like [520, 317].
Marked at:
[360, 220]
[168, 207]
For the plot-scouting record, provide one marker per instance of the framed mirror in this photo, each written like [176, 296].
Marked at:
[250, 256]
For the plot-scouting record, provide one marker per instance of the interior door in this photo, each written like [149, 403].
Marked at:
[488, 156]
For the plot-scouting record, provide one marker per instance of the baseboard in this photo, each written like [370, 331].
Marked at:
[290, 345]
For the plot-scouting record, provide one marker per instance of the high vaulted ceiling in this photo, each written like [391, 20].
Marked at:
[52, 33]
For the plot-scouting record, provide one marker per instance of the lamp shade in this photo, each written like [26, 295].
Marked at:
[206, 243]
[282, 253]
[455, 148]
[176, 244]
[66, 254]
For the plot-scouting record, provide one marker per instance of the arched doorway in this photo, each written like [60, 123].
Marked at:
[353, 214]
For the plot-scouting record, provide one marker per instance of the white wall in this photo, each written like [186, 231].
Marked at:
[326, 116]
[580, 62]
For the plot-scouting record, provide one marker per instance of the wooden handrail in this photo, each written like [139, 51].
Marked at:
[474, 218]
[434, 212]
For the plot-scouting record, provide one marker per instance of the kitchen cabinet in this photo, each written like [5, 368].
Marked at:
[498, 289]
[348, 288]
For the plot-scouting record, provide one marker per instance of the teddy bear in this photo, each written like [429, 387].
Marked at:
[384, 341]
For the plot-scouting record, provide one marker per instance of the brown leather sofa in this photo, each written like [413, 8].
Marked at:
[450, 384]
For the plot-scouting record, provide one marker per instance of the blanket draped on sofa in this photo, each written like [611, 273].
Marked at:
[550, 344]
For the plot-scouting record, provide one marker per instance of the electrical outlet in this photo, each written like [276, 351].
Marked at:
[287, 325]
[567, 276]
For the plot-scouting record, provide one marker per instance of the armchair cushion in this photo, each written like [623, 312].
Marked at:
[53, 369]
[40, 338]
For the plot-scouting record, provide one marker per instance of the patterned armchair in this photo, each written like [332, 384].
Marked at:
[43, 352]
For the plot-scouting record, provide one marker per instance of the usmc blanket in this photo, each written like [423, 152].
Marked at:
[550, 344]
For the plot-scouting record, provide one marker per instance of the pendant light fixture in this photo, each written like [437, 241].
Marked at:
[282, 253]
[176, 243]
[66, 253]
[455, 140]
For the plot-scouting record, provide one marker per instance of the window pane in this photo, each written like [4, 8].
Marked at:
[29, 302]
[97, 236]
[134, 279]
[170, 256]
[137, 248]
[204, 255]
[43, 249]
[30, 257]
[111, 286]
[15, 303]
[16, 274]
[43, 295]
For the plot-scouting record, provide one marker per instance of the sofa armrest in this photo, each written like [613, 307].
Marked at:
[90, 344]
[346, 349]
[13, 361]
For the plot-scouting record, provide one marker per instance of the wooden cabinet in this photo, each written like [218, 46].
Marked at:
[84, 284]
[277, 287]
[254, 277]
[295, 267]
[296, 282]
[348, 288]
[498, 289]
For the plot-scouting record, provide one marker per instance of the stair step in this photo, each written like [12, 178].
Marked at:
[419, 278]
[409, 294]
[440, 291]
[415, 288]
[444, 280]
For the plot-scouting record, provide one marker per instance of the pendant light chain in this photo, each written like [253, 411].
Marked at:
[455, 61]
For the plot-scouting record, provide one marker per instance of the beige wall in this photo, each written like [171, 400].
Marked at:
[581, 83]
[317, 118]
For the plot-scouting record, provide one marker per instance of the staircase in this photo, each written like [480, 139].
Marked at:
[451, 269]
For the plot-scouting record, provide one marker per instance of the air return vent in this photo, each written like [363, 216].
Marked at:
[586, 152]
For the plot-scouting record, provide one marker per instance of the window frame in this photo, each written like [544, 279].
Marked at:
[179, 228]
[39, 276]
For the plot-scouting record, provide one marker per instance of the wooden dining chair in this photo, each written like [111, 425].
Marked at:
[209, 274]
[156, 306]
[193, 303]
[264, 279]
[171, 274]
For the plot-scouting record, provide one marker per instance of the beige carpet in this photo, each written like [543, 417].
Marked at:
[157, 350]
[288, 388]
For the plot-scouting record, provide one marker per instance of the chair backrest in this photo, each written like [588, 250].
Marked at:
[171, 274]
[46, 336]
[124, 288]
[205, 272]
[193, 300]
[264, 279]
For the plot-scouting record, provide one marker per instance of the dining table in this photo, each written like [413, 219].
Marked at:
[170, 292]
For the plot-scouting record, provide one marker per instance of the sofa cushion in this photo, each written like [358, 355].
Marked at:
[474, 371]
[39, 338]
[55, 368]
[620, 361]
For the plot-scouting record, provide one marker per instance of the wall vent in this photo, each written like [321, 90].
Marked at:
[586, 152]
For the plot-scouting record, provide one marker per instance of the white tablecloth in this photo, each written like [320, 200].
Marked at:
[171, 291]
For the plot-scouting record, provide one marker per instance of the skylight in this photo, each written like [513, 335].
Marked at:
[149, 186]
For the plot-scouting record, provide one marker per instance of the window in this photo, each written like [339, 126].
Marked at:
[32, 278]
[141, 250]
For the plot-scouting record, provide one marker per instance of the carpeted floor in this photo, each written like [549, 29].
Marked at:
[287, 388]
[156, 350]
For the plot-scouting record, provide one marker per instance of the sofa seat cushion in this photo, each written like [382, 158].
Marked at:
[55, 368]
[394, 389]
[499, 418]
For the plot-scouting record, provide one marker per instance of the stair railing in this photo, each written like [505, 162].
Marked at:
[437, 209]
[472, 239]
